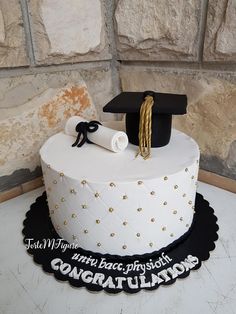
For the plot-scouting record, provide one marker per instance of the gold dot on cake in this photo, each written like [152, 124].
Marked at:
[112, 184]
[150, 244]
[176, 187]
[111, 209]
[125, 197]
[125, 223]
[84, 206]
[165, 178]
[96, 194]
[152, 219]
[190, 202]
[54, 181]
[61, 174]
[181, 218]
[85, 231]
[97, 221]
[186, 169]
[152, 192]
[56, 206]
[165, 203]
[124, 247]
[65, 222]
[138, 235]
[73, 237]
[174, 211]
[140, 182]
[139, 209]
[62, 199]
[192, 177]
[112, 234]
[163, 228]
[73, 216]
[72, 191]
[193, 207]
[98, 244]
[83, 182]
[184, 195]
[48, 166]
[172, 234]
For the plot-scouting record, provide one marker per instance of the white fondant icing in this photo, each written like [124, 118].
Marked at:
[152, 198]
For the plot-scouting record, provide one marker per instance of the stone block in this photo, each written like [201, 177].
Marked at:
[25, 127]
[157, 30]
[101, 89]
[12, 36]
[220, 36]
[16, 91]
[68, 31]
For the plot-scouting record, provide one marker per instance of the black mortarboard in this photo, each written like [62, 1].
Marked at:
[164, 106]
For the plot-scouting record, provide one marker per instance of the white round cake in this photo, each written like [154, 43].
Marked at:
[115, 203]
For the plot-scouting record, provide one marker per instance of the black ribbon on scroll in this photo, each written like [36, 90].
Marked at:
[83, 128]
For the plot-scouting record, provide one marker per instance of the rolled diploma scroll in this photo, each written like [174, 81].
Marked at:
[113, 140]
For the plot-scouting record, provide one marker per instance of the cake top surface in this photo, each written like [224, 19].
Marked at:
[97, 164]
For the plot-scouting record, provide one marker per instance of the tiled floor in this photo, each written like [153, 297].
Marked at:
[25, 288]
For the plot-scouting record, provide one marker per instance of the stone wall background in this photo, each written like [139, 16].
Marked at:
[91, 50]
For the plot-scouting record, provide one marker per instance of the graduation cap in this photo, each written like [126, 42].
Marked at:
[148, 116]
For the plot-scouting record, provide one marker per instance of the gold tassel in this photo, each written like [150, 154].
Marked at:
[145, 128]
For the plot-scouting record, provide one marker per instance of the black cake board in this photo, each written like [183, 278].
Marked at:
[112, 273]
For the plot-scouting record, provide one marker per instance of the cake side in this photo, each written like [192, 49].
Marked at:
[151, 207]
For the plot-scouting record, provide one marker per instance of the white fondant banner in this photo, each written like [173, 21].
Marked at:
[110, 139]
[152, 278]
